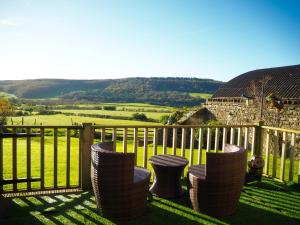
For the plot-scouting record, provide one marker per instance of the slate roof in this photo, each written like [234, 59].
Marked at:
[284, 83]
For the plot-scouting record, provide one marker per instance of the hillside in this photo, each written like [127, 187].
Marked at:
[162, 91]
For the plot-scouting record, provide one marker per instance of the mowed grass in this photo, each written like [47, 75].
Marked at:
[131, 106]
[64, 120]
[151, 115]
[266, 202]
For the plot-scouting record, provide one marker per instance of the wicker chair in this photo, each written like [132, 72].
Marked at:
[120, 188]
[215, 188]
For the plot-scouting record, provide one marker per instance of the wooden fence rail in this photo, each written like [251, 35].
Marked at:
[187, 141]
[279, 150]
[35, 158]
[58, 157]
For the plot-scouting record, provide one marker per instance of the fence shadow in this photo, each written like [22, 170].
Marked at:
[260, 203]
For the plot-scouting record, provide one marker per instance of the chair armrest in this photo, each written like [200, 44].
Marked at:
[198, 171]
[140, 174]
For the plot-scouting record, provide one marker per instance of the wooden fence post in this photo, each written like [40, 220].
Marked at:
[86, 137]
[258, 139]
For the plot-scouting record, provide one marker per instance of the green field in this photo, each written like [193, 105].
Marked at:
[122, 115]
[151, 115]
[129, 106]
[201, 95]
[60, 119]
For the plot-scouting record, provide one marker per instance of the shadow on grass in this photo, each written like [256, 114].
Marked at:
[265, 202]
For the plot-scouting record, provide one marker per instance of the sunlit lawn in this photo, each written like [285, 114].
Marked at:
[152, 115]
[266, 202]
[130, 105]
[64, 120]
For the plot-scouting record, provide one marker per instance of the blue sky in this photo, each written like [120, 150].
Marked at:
[215, 39]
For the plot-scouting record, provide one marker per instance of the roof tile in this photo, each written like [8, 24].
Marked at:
[284, 83]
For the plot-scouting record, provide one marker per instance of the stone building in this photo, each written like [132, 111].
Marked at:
[242, 100]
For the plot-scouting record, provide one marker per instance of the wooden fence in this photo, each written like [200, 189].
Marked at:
[37, 158]
[26, 166]
[280, 147]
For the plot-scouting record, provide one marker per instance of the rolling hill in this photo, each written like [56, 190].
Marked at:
[162, 91]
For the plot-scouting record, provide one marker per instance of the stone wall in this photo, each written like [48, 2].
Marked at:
[241, 113]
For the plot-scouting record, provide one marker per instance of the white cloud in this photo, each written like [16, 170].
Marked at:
[11, 21]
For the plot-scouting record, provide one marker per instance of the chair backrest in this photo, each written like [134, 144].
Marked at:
[226, 168]
[113, 168]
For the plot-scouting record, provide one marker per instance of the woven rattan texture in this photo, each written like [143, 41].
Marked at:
[215, 189]
[168, 170]
[120, 188]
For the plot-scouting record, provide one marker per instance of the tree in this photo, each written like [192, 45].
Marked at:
[139, 116]
[264, 100]
[176, 116]
[257, 91]
[6, 109]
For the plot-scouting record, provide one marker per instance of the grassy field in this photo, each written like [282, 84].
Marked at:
[201, 95]
[123, 114]
[130, 106]
[138, 105]
[60, 119]
[152, 115]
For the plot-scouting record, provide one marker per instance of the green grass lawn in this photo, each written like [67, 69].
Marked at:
[131, 106]
[63, 120]
[139, 105]
[266, 202]
[152, 115]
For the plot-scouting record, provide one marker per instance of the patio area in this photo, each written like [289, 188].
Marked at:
[265, 202]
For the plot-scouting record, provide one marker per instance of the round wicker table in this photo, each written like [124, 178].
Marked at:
[168, 170]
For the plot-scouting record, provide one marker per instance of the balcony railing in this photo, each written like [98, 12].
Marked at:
[280, 146]
[38, 158]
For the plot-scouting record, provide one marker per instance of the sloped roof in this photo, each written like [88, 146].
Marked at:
[284, 83]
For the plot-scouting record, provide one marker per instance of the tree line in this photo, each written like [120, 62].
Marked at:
[162, 91]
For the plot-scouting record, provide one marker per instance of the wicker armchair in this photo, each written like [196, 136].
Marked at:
[215, 188]
[120, 188]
